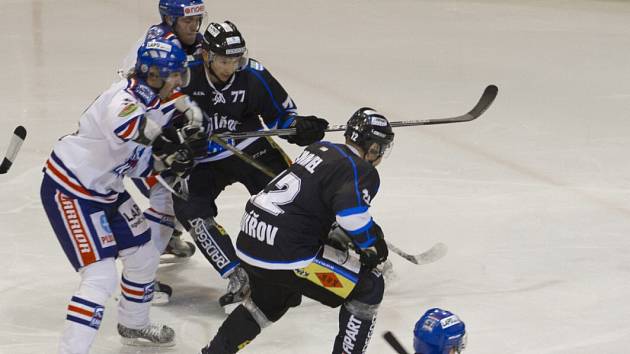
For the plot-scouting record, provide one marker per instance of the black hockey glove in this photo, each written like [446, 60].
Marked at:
[309, 129]
[169, 147]
[197, 139]
[374, 255]
[377, 253]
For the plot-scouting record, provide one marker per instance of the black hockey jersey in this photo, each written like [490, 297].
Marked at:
[285, 224]
[252, 92]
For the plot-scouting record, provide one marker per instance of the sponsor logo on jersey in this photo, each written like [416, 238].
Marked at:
[198, 93]
[194, 10]
[222, 122]
[258, 229]
[103, 231]
[128, 109]
[218, 98]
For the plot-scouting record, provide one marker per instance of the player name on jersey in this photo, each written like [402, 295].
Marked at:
[257, 229]
[309, 160]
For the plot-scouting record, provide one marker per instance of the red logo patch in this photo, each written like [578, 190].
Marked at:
[329, 280]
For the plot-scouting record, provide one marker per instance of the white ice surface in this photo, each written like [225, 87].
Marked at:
[532, 198]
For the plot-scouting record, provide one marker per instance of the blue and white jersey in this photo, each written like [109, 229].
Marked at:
[285, 224]
[92, 162]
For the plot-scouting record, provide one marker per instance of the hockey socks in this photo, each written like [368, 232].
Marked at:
[83, 320]
[215, 244]
[354, 333]
[238, 330]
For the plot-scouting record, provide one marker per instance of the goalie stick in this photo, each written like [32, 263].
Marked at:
[391, 339]
[488, 96]
[19, 134]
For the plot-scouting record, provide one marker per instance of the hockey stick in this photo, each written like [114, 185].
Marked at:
[429, 256]
[19, 134]
[433, 254]
[391, 339]
[488, 96]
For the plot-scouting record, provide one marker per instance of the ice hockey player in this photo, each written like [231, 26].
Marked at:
[236, 93]
[181, 21]
[96, 221]
[282, 241]
[439, 332]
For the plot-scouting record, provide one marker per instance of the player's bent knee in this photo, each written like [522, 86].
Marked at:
[257, 314]
[140, 263]
[367, 296]
[99, 280]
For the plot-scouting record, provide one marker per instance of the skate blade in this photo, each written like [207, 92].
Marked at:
[160, 299]
[141, 342]
[173, 259]
[228, 308]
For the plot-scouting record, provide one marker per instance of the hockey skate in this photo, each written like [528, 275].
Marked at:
[238, 288]
[177, 250]
[161, 294]
[154, 335]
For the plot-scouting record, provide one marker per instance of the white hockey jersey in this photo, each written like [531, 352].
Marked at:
[92, 162]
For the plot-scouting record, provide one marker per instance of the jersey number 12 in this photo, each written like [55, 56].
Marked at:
[287, 188]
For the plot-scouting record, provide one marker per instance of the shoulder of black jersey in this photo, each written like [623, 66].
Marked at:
[253, 64]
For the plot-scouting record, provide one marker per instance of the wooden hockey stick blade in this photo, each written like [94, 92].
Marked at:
[19, 134]
[429, 256]
[488, 96]
[391, 339]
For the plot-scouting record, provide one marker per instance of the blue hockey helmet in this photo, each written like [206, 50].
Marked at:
[439, 332]
[167, 56]
[181, 8]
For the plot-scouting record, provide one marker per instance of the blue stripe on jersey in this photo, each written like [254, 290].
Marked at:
[281, 111]
[67, 171]
[352, 211]
[354, 169]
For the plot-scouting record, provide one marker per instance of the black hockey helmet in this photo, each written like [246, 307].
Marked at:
[224, 39]
[366, 127]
